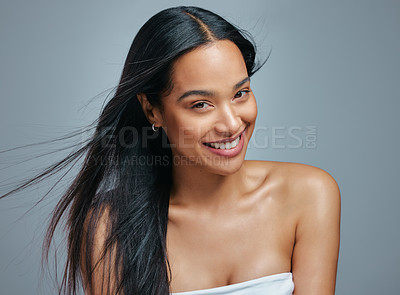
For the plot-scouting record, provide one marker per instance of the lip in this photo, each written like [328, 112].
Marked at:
[227, 139]
[231, 152]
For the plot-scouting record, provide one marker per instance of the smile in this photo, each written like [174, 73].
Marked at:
[224, 145]
[229, 147]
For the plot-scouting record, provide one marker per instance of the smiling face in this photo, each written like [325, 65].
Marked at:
[210, 113]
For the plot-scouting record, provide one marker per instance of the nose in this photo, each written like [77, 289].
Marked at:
[228, 123]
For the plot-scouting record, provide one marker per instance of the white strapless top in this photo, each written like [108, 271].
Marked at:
[277, 284]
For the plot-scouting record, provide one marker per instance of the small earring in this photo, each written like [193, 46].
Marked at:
[154, 128]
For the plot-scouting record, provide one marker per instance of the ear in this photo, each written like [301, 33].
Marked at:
[152, 113]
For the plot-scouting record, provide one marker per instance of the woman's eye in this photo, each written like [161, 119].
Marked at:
[241, 93]
[200, 105]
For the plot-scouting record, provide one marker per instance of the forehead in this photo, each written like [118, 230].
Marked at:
[214, 66]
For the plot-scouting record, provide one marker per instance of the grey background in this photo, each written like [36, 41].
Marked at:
[335, 65]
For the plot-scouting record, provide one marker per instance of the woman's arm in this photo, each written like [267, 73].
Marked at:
[102, 264]
[316, 250]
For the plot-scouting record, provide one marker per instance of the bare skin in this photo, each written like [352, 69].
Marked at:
[232, 220]
[284, 218]
[238, 220]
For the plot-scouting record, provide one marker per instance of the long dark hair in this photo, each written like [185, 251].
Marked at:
[126, 172]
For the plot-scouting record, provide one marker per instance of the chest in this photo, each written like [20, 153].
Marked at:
[205, 251]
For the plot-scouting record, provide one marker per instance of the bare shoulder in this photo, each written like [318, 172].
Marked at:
[313, 187]
[304, 183]
[98, 258]
[315, 184]
[313, 197]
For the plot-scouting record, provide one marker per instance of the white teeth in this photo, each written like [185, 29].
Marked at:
[226, 145]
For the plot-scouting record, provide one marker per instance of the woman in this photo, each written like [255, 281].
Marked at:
[166, 203]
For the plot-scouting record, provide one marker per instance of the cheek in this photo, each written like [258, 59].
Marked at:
[172, 127]
[250, 113]
[183, 130]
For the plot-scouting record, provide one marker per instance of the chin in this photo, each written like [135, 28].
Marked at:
[224, 166]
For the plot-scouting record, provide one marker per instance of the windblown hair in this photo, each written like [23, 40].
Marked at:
[126, 173]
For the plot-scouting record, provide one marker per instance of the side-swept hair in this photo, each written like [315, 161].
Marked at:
[115, 192]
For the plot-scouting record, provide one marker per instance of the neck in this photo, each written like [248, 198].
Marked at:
[195, 187]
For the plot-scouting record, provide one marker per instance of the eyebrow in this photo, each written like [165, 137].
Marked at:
[210, 93]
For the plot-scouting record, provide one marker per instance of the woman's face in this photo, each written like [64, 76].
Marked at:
[210, 113]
